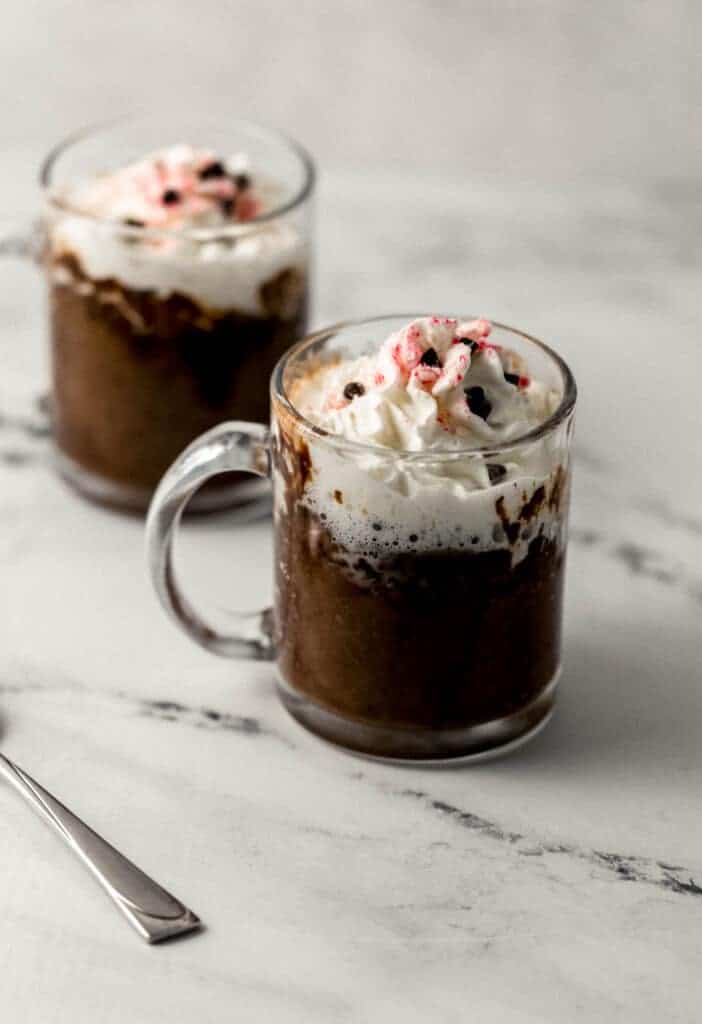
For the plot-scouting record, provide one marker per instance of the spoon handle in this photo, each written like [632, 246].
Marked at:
[154, 913]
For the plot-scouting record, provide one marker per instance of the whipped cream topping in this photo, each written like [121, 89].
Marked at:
[436, 384]
[212, 249]
[174, 188]
[433, 391]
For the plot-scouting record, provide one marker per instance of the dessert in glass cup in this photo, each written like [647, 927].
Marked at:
[177, 255]
[421, 479]
[421, 513]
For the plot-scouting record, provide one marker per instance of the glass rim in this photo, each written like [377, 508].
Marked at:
[559, 415]
[203, 233]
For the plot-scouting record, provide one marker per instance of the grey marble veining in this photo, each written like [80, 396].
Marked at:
[562, 883]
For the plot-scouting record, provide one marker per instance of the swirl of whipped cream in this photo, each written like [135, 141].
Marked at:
[436, 387]
[185, 193]
[436, 384]
[175, 188]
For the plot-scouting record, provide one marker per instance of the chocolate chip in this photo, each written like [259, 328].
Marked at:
[213, 170]
[378, 527]
[170, 196]
[496, 472]
[512, 378]
[430, 358]
[133, 222]
[227, 205]
[478, 403]
[354, 389]
[242, 181]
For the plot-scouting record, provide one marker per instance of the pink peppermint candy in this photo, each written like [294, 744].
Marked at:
[181, 187]
[435, 355]
[475, 330]
[456, 362]
[425, 377]
[406, 348]
[247, 207]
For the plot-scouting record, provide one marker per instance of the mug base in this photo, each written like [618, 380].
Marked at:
[122, 497]
[425, 747]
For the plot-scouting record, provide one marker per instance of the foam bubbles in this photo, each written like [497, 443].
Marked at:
[378, 507]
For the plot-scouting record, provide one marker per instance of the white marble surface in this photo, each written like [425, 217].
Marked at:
[561, 884]
[493, 87]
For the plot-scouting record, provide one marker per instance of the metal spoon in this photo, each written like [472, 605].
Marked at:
[154, 913]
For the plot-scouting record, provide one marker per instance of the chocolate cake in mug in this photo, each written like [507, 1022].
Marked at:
[176, 281]
[421, 477]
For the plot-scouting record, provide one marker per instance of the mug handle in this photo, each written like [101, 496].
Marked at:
[243, 447]
[21, 239]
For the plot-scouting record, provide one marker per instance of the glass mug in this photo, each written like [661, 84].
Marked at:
[412, 620]
[159, 334]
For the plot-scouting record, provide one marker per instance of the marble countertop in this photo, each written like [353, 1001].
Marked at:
[563, 883]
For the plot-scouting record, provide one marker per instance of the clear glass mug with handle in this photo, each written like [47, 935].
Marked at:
[157, 334]
[397, 631]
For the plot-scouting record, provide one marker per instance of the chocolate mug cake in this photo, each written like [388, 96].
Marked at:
[176, 282]
[421, 492]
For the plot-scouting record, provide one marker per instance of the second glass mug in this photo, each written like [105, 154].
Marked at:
[391, 639]
[158, 334]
